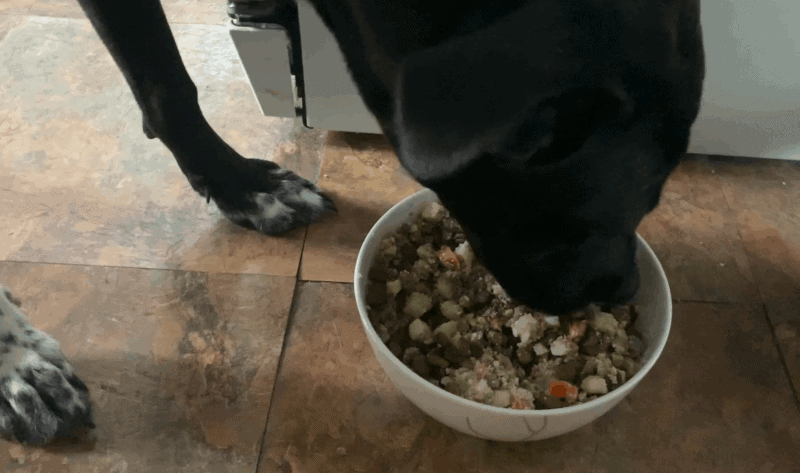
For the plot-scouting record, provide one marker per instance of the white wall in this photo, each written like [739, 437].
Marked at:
[752, 91]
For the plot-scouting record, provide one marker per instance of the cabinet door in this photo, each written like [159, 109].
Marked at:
[264, 53]
[332, 100]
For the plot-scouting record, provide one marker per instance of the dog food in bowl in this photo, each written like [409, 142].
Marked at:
[445, 316]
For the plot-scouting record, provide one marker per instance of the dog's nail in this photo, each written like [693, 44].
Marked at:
[329, 205]
[11, 298]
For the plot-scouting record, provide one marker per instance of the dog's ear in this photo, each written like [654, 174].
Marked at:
[527, 88]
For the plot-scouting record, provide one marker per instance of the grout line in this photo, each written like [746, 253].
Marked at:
[321, 281]
[147, 268]
[28, 14]
[777, 345]
[87, 265]
[692, 301]
[322, 150]
[302, 253]
[316, 182]
[284, 344]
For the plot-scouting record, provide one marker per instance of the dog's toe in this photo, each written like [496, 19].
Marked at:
[304, 197]
[282, 202]
[25, 415]
[39, 401]
[41, 398]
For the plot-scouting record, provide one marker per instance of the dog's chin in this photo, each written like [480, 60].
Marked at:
[562, 298]
[562, 305]
[557, 308]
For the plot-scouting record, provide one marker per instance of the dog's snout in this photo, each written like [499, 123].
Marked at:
[629, 290]
[636, 293]
[626, 285]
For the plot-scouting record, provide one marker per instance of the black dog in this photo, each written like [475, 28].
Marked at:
[547, 127]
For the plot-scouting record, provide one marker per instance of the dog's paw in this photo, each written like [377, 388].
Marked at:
[268, 198]
[41, 398]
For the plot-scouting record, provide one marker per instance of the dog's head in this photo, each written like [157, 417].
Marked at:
[549, 135]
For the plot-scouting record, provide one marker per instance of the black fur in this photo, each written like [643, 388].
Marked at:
[548, 127]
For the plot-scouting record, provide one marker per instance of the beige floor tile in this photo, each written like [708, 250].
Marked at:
[56, 8]
[332, 393]
[694, 234]
[718, 400]
[180, 365]
[8, 22]
[81, 184]
[16, 7]
[363, 176]
[764, 195]
[207, 12]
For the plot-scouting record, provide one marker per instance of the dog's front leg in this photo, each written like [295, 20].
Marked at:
[253, 193]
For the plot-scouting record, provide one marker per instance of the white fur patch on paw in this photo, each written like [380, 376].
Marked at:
[303, 195]
[271, 208]
[282, 202]
[269, 216]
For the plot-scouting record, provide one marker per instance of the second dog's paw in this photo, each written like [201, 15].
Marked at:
[271, 199]
[41, 398]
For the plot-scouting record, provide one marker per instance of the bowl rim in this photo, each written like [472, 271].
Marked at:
[360, 275]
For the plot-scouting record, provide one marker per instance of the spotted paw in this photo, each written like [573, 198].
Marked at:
[41, 398]
[265, 197]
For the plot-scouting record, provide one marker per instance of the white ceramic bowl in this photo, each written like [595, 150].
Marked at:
[504, 424]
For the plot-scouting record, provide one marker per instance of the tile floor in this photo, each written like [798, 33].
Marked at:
[211, 348]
